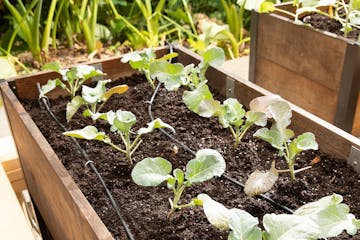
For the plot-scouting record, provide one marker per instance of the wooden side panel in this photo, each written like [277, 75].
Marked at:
[331, 139]
[66, 211]
[356, 126]
[311, 95]
[285, 43]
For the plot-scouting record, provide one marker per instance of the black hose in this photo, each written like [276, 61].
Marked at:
[44, 100]
[184, 146]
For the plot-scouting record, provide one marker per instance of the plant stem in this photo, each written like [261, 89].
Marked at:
[49, 22]
[116, 147]
[189, 17]
[178, 192]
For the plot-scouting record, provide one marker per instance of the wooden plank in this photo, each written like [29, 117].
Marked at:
[288, 44]
[66, 211]
[310, 95]
[331, 139]
[15, 175]
[13, 224]
[112, 67]
[356, 126]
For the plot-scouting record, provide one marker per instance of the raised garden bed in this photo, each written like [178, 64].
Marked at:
[314, 69]
[68, 213]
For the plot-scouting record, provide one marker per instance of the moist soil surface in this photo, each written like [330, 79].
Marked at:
[325, 23]
[145, 208]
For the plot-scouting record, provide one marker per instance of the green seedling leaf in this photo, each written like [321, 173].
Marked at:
[73, 106]
[261, 181]
[95, 116]
[271, 136]
[207, 164]
[192, 99]
[261, 104]
[85, 72]
[244, 226]
[289, 227]
[305, 141]
[124, 120]
[209, 108]
[53, 66]
[214, 56]
[331, 216]
[155, 124]
[281, 112]
[216, 213]
[257, 118]
[233, 114]
[94, 95]
[250, 5]
[266, 7]
[179, 175]
[168, 56]
[49, 86]
[355, 4]
[114, 90]
[88, 132]
[131, 56]
[151, 171]
[171, 74]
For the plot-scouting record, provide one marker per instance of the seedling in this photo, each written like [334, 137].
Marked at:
[207, 164]
[142, 61]
[91, 97]
[121, 123]
[322, 219]
[279, 136]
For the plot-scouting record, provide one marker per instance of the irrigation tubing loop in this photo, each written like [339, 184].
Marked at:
[45, 103]
[188, 149]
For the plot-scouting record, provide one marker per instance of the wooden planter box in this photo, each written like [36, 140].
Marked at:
[64, 208]
[316, 70]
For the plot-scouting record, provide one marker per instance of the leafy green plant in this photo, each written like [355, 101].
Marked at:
[207, 164]
[27, 25]
[142, 60]
[281, 137]
[325, 218]
[121, 123]
[72, 80]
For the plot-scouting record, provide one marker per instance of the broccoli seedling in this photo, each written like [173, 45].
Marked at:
[207, 164]
[281, 137]
[121, 123]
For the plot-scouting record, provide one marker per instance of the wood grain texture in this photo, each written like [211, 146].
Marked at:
[310, 95]
[356, 126]
[66, 211]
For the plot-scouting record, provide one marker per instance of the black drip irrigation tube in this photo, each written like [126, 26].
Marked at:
[188, 149]
[45, 101]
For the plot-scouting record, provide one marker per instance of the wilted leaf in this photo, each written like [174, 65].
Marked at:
[151, 171]
[261, 104]
[155, 124]
[114, 90]
[281, 112]
[207, 164]
[88, 132]
[261, 181]
[216, 213]
[73, 106]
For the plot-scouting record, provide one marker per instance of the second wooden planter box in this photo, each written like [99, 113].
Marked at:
[63, 206]
[316, 70]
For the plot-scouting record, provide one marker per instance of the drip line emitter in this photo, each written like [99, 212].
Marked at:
[44, 103]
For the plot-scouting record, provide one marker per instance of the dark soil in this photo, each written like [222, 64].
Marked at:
[330, 25]
[145, 208]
